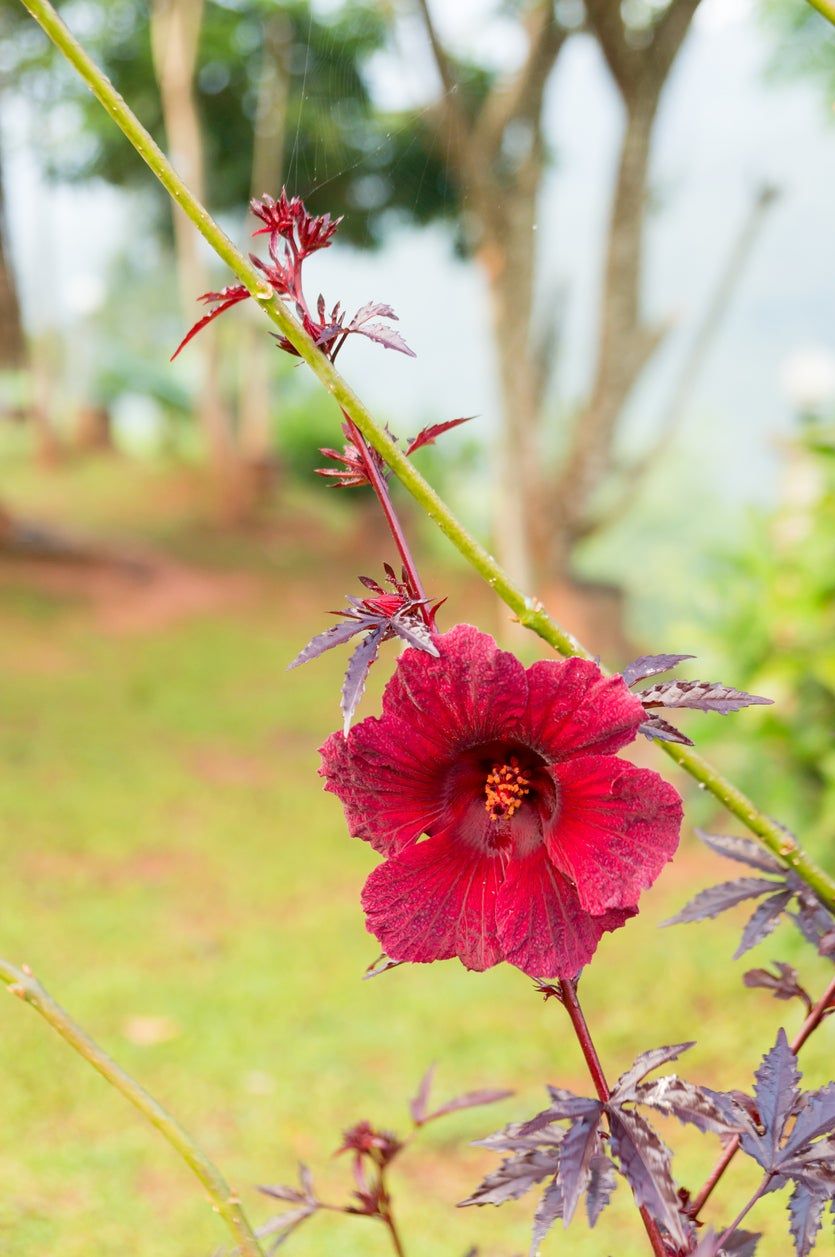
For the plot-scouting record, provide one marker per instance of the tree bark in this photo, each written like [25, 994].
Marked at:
[175, 33]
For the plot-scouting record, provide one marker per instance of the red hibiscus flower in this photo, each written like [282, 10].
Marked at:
[537, 838]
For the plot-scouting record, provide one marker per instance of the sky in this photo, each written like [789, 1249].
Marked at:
[722, 132]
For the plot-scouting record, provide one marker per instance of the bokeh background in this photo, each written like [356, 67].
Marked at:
[607, 231]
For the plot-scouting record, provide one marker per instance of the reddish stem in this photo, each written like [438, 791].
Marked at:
[815, 1017]
[581, 1029]
[380, 487]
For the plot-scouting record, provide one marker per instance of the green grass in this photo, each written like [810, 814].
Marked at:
[172, 871]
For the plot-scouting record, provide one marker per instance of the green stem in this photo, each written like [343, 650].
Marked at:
[529, 611]
[20, 982]
[826, 8]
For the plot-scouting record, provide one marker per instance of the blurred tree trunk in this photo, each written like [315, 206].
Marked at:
[14, 354]
[494, 150]
[255, 406]
[175, 34]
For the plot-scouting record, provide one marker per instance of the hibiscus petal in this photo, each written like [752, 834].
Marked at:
[472, 692]
[543, 929]
[574, 709]
[435, 900]
[616, 828]
[387, 779]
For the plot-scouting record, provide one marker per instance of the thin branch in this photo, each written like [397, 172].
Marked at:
[20, 982]
[528, 610]
[521, 96]
[813, 1020]
[568, 997]
[451, 108]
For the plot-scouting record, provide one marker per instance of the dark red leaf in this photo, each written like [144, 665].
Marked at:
[686, 1101]
[227, 298]
[601, 1184]
[469, 1100]
[515, 1176]
[578, 1147]
[550, 1208]
[334, 636]
[805, 1211]
[417, 1105]
[429, 435]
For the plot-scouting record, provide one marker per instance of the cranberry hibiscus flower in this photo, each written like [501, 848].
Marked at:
[538, 838]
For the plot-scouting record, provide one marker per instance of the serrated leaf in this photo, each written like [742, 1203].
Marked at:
[369, 581]
[469, 1100]
[776, 1092]
[418, 1103]
[805, 1212]
[741, 1244]
[334, 636]
[578, 1147]
[686, 1101]
[650, 666]
[413, 631]
[645, 1163]
[550, 1208]
[361, 660]
[511, 1139]
[372, 310]
[700, 696]
[816, 1117]
[742, 849]
[601, 1184]
[655, 727]
[783, 984]
[716, 899]
[763, 921]
[565, 1106]
[515, 1176]
[645, 1064]
[430, 434]
[386, 336]
[225, 299]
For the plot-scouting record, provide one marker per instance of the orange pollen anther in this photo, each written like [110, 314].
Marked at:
[504, 789]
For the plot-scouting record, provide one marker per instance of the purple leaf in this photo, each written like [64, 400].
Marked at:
[430, 434]
[414, 631]
[389, 337]
[686, 1101]
[741, 1244]
[417, 1105]
[511, 1139]
[741, 849]
[624, 1088]
[372, 310]
[371, 584]
[816, 1117]
[357, 673]
[783, 984]
[566, 1105]
[775, 1093]
[334, 636]
[762, 922]
[650, 666]
[550, 1208]
[655, 727]
[578, 1147]
[805, 1210]
[716, 899]
[515, 1176]
[601, 1185]
[645, 1163]
[469, 1100]
[701, 695]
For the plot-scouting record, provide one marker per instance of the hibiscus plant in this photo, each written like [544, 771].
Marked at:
[511, 830]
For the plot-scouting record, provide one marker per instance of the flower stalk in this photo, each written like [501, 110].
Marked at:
[527, 610]
[25, 986]
[568, 997]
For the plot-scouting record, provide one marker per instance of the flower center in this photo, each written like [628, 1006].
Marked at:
[504, 789]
